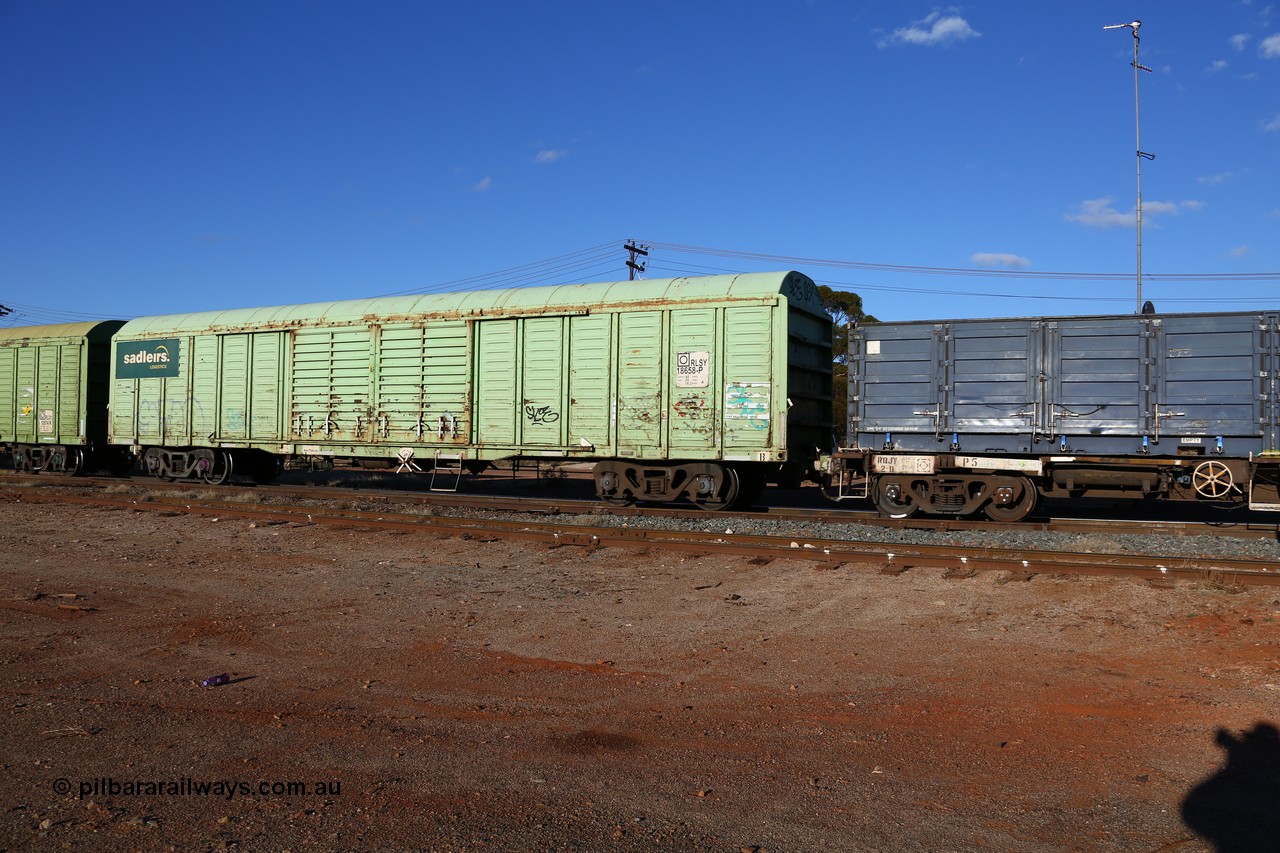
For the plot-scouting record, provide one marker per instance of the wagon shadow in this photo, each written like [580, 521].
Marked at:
[1237, 809]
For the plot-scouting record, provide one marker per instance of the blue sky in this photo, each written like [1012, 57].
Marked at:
[939, 160]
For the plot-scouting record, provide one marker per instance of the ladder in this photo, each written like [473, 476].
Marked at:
[450, 465]
[853, 492]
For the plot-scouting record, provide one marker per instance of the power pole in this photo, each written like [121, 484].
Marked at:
[5, 311]
[631, 262]
[1137, 136]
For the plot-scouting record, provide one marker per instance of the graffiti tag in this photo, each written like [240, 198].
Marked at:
[542, 415]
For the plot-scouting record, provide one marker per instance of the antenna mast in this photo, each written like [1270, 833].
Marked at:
[1137, 137]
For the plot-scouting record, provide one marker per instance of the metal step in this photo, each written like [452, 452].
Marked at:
[450, 465]
[1264, 496]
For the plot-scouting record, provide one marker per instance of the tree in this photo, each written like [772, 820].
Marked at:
[846, 311]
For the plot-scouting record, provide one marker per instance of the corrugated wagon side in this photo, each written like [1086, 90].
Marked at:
[960, 416]
[722, 377]
[53, 395]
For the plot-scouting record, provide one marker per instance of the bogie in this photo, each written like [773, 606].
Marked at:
[710, 486]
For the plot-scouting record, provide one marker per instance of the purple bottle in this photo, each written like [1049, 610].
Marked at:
[216, 680]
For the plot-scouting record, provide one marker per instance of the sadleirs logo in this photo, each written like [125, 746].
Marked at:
[147, 359]
[159, 356]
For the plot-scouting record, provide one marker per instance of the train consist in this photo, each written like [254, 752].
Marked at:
[54, 386]
[699, 389]
[987, 416]
[691, 388]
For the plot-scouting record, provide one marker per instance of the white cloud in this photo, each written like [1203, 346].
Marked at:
[1216, 66]
[1004, 260]
[482, 185]
[1157, 208]
[1098, 212]
[1215, 180]
[1241, 251]
[551, 155]
[1274, 124]
[936, 29]
[1238, 42]
[1270, 47]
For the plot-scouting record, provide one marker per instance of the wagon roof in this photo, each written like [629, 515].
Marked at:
[558, 299]
[871, 325]
[94, 330]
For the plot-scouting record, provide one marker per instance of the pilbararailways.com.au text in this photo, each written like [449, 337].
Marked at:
[108, 786]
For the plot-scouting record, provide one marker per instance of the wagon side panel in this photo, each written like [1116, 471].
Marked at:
[591, 383]
[542, 382]
[893, 379]
[329, 385]
[750, 417]
[695, 356]
[640, 384]
[1210, 381]
[496, 394]
[8, 394]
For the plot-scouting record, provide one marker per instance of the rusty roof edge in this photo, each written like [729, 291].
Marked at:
[476, 304]
[10, 335]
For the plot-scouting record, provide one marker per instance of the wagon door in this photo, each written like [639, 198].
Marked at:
[894, 381]
[423, 392]
[331, 373]
[694, 391]
[1098, 372]
[591, 382]
[991, 384]
[250, 386]
[640, 384]
[748, 382]
[496, 365]
[8, 393]
[1271, 381]
[1210, 379]
[27, 399]
[542, 385]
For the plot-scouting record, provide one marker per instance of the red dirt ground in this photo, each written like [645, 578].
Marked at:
[454, 694]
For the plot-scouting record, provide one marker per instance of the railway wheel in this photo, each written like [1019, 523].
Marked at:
[609, 486]
[894, 500]
[222, 470]
[73, 463]
[716, 492]
[1014, 506]
[216, 468]
[1212, 479]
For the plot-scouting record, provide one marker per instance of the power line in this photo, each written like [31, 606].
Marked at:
[20, 314]
[525, 273]
[604, 262]
[956, 271]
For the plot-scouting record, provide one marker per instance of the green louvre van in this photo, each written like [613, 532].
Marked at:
[53, 396]
[700, 388]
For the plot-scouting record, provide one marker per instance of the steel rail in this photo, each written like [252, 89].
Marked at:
[580, 506]
[888, 558]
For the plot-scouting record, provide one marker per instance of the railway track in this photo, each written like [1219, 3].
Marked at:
[1245, 528]
[826, 552]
